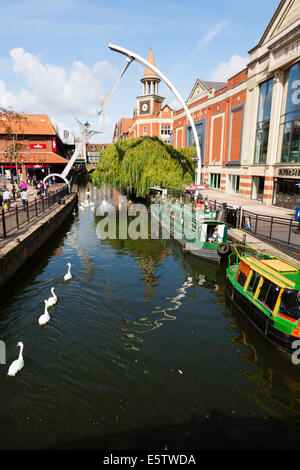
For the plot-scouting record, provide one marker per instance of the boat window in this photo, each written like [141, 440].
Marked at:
[241, 279]
[251, 289]
[290, 303]
[242, 274]
[268, 294]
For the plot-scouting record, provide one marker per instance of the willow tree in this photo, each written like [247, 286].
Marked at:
[139, 163]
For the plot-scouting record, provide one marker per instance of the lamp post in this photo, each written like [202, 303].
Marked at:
[195, 160]
[133, 56]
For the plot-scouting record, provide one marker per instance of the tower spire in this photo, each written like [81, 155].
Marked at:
[148, 73]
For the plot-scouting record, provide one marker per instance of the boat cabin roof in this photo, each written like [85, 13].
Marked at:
[279, 271]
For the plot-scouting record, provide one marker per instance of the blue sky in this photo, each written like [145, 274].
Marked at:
[54, 56]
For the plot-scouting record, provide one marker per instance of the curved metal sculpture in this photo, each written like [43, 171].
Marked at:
[57, 175]
[133, 56]
[86, 133]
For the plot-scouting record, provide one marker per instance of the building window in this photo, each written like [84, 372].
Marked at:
[165, 130]
[144, 130]
[215, 180]
[258, 185]
[200, 129]
[263, 121]
[290, 116]
[286, 193]
[233, 183]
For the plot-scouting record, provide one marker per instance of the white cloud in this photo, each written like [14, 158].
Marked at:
[226, 70]
[56, 91]
[53, 90]
[216, 29]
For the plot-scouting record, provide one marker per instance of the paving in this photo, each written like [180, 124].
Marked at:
[32, 193]
[251, 205]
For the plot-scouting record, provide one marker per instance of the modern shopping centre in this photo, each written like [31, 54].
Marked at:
[248, 127]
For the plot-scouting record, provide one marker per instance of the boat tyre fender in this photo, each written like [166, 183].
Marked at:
[223, 249]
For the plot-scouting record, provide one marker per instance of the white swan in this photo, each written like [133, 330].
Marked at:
[18, 364]
[68, 275]
[52, 300]
[45, 317]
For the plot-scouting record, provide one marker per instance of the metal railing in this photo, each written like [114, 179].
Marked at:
[279, 231]
[16, 218]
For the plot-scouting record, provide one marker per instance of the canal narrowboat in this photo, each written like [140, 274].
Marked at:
[200, 234]
[267, 291]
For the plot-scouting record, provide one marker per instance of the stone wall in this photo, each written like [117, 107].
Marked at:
[27, 241]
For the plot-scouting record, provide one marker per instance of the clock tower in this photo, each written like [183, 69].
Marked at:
[149, 102]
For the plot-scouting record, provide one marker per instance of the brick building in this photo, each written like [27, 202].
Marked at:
[249, 127]
[150, 117]
[217, 109]
[39, 148]
[271, 149]
[122, 127]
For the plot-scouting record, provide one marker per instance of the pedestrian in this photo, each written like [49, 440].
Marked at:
[14, 191]
[6, 198]
[24, 198]
[23, 186]
[41, 189]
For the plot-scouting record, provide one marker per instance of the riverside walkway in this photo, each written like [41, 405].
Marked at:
[16, 217]
[251, 205]
[268, 226]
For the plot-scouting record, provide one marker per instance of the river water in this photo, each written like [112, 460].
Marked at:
[143, 351]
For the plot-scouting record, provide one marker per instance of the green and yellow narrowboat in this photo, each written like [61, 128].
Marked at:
[267, 291]
[199, 233]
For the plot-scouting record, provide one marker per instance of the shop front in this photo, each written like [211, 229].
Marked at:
[287, 188]
[34, 166]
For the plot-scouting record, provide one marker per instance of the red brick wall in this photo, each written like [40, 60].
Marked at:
[217, 139]
[236, 135]
[6, 143]
[245, 185]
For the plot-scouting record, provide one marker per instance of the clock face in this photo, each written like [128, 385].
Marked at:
[144, 107]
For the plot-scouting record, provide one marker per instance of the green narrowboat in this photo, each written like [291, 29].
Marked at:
[199, 233]
[267, 291]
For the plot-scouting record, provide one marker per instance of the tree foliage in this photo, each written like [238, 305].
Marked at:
[138, 163]
[12, 126]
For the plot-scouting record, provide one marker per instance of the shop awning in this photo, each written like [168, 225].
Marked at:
[195, 187]
[38, 158]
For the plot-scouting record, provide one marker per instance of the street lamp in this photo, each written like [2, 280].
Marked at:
[194, 160]
[132, 56]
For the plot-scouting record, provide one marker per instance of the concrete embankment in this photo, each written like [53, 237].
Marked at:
[17, 249]
[235, 235]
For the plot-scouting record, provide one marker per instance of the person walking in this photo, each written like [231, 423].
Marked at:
[23, 186]
[14, 191]
[41, 188]
[6, 198]
[24, 198]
